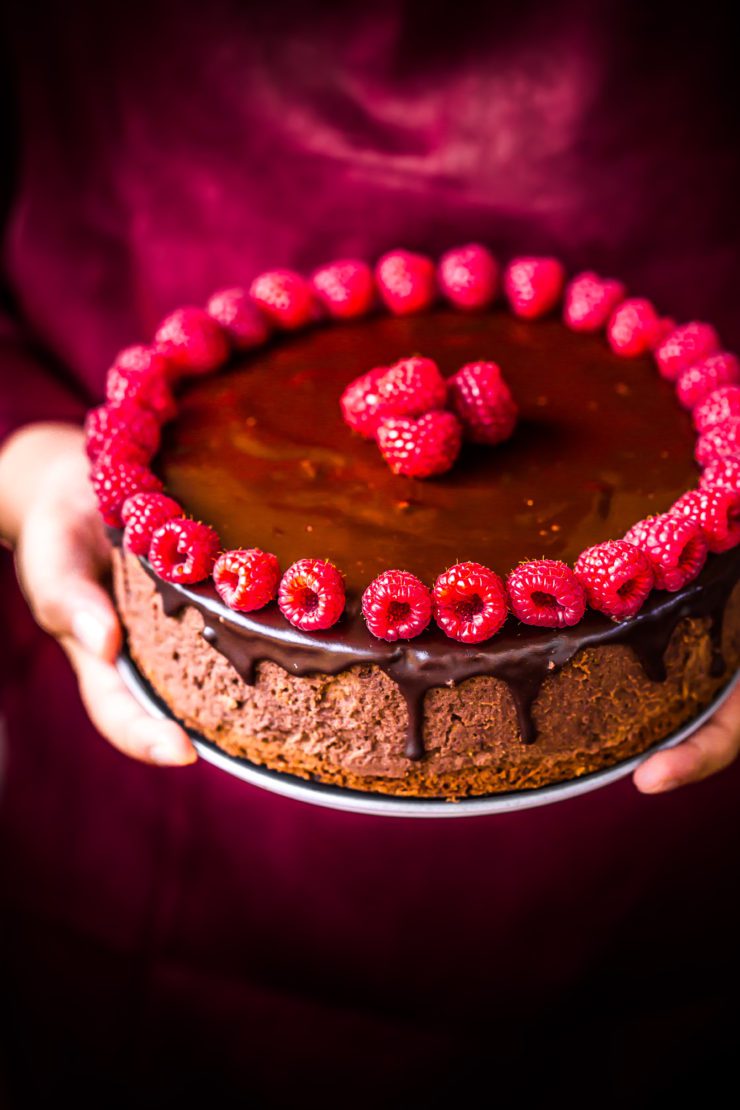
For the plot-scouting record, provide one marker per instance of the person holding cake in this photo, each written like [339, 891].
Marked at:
[211, 913]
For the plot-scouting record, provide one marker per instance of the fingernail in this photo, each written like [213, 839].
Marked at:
[167, 755]
[90, 631]
[659, 786]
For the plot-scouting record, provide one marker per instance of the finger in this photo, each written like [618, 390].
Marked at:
[61, 556]
[120, 719]
[709, 750]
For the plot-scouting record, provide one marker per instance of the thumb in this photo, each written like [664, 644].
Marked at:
[61, 555]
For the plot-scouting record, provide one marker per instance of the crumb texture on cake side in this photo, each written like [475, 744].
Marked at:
[349, 729]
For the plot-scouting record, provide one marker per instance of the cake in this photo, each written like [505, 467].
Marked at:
[260, 451]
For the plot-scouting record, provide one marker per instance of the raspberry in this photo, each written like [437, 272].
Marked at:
[191, 341]
[411, 387]
[396, 606]
[638, 533]
[590, 301]
[114, 483]
[719, 442]
[311, 594]
[235, 311]
[420, 448]
[481, 399]
[360, 403]
[127, 422]
[547, 593]
[469, 276]
[140, 375]
[722, 474]
[119, 450]
[142, 514]
[698, 381]
[246, 579]
[717, 512]
[634, 327]
[285, 297]
[183, 550]
[617, 577]
[720, 405]
[533, 285]
[683, 347]
[470, 603]
[674, 545]
[345, 288]
[406, 281]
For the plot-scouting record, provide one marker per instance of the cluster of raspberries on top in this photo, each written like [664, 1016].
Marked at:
[469, 602]
[418, 419]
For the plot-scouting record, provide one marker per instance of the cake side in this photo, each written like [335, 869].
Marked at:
[349, 728]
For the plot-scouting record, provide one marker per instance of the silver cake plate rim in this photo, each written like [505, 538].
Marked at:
[385, 805]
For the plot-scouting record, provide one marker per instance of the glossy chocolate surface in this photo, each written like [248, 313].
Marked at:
[261, 452]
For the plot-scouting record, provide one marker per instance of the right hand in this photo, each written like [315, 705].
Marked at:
[49, 516]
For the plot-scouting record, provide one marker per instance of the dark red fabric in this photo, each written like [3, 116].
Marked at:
[177, 931]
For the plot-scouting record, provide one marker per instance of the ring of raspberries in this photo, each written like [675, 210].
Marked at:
[419, 422]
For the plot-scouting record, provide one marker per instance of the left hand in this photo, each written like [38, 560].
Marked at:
[711, 749]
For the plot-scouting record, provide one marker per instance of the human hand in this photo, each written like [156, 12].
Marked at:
[712, 748]
[48, 514]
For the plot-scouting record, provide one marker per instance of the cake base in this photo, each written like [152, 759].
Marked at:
[347, 729]
[381, 805]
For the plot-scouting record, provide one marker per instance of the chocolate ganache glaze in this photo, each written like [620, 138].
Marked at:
[261, 452]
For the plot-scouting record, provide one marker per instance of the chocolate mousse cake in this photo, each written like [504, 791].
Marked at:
[262, 453]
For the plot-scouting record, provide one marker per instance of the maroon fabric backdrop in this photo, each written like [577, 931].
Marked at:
[176, 932]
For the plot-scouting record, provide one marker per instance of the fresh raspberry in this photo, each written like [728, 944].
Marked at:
[183, 550]
[191, 341]
[698, 381]
[396, 606]
[235, 311]
[142, 514]
[717, 512]
[420, 448]
[639, 532]
[590, 301]
[285, 297]
[469, 276]
[481, 399]
[360, 403]
[140, 375]
[470, 603]
[246, 579]
[311, 594]
[674, 545]
[345, 288]
[411, 387]
[113, 484]
[617, 577]
[533, 285]
[683, 347]
[406, 281]
[127, 422]
[720, 442]
[634, 327]
[119, 450]
[720, 405]
[721, 474]
[547, 593]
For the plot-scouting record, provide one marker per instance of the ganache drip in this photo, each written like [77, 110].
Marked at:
[522, 656]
